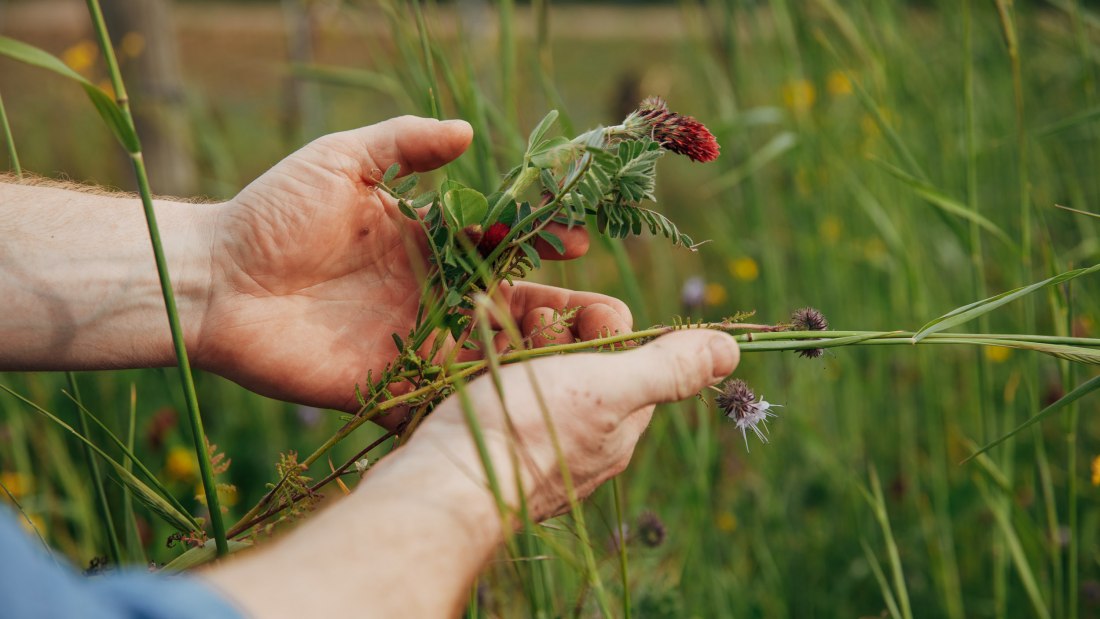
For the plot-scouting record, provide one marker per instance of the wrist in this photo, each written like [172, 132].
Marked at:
[446, 485]
[187, 233]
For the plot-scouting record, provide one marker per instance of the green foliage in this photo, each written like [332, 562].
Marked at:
[800, 196]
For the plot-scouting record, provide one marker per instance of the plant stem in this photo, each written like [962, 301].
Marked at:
[13, 156]
[616, 491]
[102, 506]
[187, 381]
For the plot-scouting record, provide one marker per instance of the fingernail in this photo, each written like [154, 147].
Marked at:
[723, 352]
[454, 122]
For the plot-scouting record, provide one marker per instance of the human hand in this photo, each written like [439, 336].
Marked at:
[313, 269]
[598, 406]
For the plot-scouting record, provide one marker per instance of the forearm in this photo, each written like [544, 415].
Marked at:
[407, 543]
[80, 284]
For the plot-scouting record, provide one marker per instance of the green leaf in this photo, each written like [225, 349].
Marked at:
[424, 199]
[201, 554]
[968, 312]
[453, 298]
[391, 173]
[398, 343]
[945, 203]
[554, 152]
[540, 130]
[531, 253]
[1078, 392]
[465, 206]
[406, 209]
[553, 241]
[407, 184]
[108, 110]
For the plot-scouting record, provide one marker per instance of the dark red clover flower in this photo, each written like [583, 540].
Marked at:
[809, 319]
[680, 134]
[493, 237]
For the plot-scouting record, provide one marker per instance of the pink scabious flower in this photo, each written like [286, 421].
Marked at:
[680, 134]
[738, 401]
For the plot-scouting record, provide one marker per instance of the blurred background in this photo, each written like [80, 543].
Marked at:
[884, 162]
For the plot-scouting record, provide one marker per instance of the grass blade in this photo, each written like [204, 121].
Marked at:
[104, 507]
[160, 504]
[201, 554]
[880, 578]
[968, 312]
[945, 203]
[107, 108]
[1079, 392]
[1019, 559]
[9, 141]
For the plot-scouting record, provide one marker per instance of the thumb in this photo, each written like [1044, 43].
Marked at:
[673, 367]
[416, 144]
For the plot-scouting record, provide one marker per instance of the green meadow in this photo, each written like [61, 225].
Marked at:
[883, 162]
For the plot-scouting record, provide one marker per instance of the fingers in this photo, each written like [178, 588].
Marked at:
[416, 144]
[673, 367]
[574, 240]
[544, 328]
[599, 320]
[522, 298]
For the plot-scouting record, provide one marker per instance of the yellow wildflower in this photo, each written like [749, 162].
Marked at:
[181, 464]
[18, 484]
[1096, 471]
[744, 269]
[997, 354]
[714, 294]
[869, 126]
[831, 229]
[132, 44]
[726, 522]
[874, 250]
[81, 56]
[799, 95]
[838, 84]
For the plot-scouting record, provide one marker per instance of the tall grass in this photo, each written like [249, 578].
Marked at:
[816, 104]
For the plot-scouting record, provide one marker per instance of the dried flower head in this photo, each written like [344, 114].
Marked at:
[739, 403]
[680, 134]
[651, 531]
[809, 319]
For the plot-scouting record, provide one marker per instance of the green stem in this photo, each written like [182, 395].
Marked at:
[102, 506]
[623, 573]
[217, 524]
[13, 156]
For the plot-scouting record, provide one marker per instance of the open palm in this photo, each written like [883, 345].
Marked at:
[314, 268]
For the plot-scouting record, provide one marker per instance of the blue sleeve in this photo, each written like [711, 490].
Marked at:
[34, 584]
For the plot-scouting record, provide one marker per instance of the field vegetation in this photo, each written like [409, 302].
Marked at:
[882, 162]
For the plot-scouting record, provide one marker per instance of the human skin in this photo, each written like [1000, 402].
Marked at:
[292, 289]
